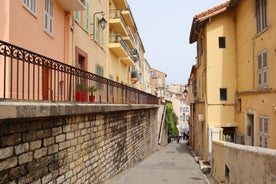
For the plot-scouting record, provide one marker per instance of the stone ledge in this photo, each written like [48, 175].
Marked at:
[10, 110]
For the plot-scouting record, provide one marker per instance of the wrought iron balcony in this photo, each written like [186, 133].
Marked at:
[29, 76]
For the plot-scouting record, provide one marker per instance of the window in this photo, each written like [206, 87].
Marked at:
[263, 132]
[48, 16]
[222, 43]
[261, 15]
[262, 70]
[223, 94]
[153, 74]
[30, 5]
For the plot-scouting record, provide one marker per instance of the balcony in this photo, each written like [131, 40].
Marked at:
[121, 4]
[72, 5]
[119, 47]
[135, 54]
[130, 39]
[117, 23]
[128, 18]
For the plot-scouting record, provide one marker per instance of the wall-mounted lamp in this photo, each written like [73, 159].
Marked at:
[185, 92]
[102, 20]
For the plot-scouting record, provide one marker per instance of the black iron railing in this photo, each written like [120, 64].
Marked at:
[25, 75]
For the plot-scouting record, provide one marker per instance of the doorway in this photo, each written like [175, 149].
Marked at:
[250, 129]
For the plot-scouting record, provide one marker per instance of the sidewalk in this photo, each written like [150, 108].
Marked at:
[173, 164]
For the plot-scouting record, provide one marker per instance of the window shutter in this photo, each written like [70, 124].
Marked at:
[86, 16]
[96, 26]
[77, 16]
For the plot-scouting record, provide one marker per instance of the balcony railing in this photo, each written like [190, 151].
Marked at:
[117, 22]
[29, 76]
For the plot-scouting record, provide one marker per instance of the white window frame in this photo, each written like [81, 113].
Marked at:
[48, 16]
[30, 5]
[261, 15]
[263, 131]
[263, 69]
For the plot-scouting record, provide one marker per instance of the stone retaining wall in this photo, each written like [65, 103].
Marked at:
[85, 148]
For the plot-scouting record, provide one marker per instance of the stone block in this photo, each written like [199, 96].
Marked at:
[8, 163]
[10, 140]
[46, 179]
[40, 153]
[22, 148]
[6, 152]
[60, 138]
[70, 135]
[48, 141]
[66, 128]
[35, 144]
[56, 131]
[16, 172]
[24, 158]
[52, 149]
[60, 179]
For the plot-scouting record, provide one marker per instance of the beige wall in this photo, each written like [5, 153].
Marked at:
[258, 167]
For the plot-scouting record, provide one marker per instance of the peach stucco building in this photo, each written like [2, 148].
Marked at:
[37, 27]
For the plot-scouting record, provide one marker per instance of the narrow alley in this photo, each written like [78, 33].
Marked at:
[172, 164]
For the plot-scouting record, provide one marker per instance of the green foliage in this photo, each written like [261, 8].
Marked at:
[92, 89]
[171, 121]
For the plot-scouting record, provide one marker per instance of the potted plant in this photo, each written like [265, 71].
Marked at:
[91, 90]
[81, 93]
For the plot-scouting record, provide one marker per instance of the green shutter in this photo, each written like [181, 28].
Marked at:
[77, 16]
[86, 16]
[96, 25]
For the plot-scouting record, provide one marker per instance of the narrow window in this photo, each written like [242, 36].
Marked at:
[262, 70]
[222, 43]
[223, 94]
[48, 16]
[263, 132]
[261, 15]
[30, 5]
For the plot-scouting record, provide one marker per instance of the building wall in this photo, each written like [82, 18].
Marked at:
[19, 23]
[84, 39]
[221, 70]
[254, 101]
[74, 148]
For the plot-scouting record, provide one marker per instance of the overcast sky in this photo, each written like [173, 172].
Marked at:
[164, 27]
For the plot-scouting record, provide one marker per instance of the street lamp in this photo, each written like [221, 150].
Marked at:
[185, 92]
[102, 20]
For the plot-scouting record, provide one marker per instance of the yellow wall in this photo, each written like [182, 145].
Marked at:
[221, 70]
[249, 44]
